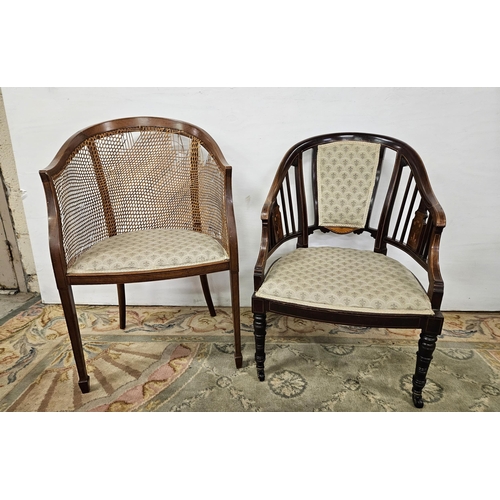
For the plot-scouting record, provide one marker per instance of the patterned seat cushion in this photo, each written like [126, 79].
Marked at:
[345, 279]
[148, 250]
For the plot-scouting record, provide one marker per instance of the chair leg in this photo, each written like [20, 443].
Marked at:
[259, 325]
[68, 305]
[206, 293]
[122, 305]
[235, 303]
[426, 346]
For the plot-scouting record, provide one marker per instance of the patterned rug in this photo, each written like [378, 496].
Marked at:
[179, 359]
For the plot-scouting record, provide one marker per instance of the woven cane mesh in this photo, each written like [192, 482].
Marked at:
[125, 181]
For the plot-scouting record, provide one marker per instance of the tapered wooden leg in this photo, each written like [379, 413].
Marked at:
[426, 347]
[235, 303]
[259, 326]
[206, 293]
[122, 307]
[68, 305]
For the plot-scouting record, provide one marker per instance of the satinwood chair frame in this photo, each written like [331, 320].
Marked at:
[132, 176]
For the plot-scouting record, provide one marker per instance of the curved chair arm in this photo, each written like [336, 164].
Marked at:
[230, 219]
[419, 237]
[260, 265]
[277, 227]
[56, 247]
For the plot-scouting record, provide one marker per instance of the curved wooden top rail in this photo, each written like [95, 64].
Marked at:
[406, 151]
[131, 124]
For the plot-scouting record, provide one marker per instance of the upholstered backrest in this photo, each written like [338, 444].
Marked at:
[346, 173]
[135, 179]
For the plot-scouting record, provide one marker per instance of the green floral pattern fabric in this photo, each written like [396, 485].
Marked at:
[346, 176]
[345, 279]
[148, 250]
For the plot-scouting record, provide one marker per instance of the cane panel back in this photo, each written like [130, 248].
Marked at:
[136, 179]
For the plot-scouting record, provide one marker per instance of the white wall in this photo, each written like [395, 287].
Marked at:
[455, 130]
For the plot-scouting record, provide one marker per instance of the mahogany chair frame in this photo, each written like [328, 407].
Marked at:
[416, 233]
[65, 280]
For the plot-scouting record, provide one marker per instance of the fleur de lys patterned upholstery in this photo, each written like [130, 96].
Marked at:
[149, 249]
[345, 279]
[346, 176]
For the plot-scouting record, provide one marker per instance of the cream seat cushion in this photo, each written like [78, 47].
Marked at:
[148, 250]
[345, 279]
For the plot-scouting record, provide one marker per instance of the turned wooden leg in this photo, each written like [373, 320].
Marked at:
[235, 304]
[259, 326]
[68, 305]
[206, 293]
[426, 347]
[122, 305]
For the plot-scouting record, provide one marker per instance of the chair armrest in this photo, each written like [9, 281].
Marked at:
[436, 284]
[417, 233]
[273, 234]
[56, 247]
[260, 265]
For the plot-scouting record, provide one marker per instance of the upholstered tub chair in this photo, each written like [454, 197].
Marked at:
[135, 200]
[336, 283]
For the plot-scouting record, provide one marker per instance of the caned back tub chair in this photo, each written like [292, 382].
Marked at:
[134, 200]
[351, 286]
